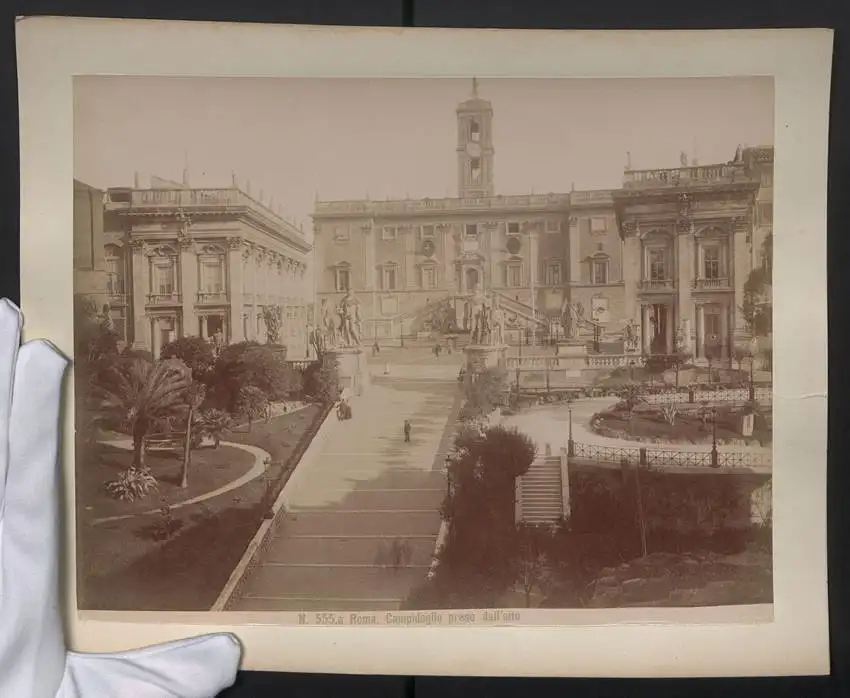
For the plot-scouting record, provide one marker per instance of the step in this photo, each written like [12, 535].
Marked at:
[312, 605]
[343, 551]
[374, 499]
[389, 523]
[334, 582]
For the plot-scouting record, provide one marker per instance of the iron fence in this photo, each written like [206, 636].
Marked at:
[671, 458]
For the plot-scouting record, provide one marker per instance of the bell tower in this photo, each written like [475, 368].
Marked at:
[475, 146]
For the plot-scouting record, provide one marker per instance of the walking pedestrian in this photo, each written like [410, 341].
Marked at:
[407, 431]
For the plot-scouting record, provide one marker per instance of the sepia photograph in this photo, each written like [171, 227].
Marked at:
[385, 350]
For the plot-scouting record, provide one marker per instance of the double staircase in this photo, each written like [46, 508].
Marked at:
[539, 493]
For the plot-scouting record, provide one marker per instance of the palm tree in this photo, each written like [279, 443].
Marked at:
[139, 393]
[194, 396]
[215, 423]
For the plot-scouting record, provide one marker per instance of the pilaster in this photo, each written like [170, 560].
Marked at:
[575, 251]
[235, 279]
[631, 275]
[740, 268]
[141, 286]
[686, 274]
[188, 287]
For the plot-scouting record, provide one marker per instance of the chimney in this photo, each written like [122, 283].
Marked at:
[233, 181]
[137, 181]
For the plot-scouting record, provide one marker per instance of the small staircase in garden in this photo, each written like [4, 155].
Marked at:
[539, 493]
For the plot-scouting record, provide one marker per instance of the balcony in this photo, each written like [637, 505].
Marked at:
[657, 285]
[117, 299]
[212, 297]
[164, 299]
[715, 284]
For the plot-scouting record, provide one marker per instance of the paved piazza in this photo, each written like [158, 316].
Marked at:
[366, 489]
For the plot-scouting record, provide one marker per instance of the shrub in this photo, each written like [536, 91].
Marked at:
[132, 484]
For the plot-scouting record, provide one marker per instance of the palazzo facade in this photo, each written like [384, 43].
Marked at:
[171, 261]
[668, 251]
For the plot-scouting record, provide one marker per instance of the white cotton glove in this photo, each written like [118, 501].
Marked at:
[33, 659]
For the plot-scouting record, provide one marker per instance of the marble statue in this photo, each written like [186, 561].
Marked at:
[326, 332]
[497, 323]
[349, 316]
[630, 336]
[572, 318]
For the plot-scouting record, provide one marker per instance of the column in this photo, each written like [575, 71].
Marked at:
[235, 276]
[188, 287]
[532, 266]
[724, 331]
[646, 328]
[202, 326]
[699, 350]
[668, 332]
[631, 275]
[575, 252]
[493, 245]
[369, 261]
[141, 285]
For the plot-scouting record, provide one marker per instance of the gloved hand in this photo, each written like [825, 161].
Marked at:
[33, 659]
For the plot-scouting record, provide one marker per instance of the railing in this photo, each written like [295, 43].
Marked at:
[711, 284]
[762, 395]
[680, 175]
[212, 297]
[165, 298]
[537, 363]
[657, 284]
[300, 364]
[671, 458]
[446, 204]
[118, 298]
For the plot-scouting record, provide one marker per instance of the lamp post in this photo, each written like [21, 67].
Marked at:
[713, 437]
[570, 445]
[752, 381]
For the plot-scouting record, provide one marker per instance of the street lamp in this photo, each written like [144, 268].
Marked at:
[570, 445]
[752, 382]
[713, 437]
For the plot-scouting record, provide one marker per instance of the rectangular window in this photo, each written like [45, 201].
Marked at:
[428, 278]
[475, 166]
[341, 233]
[553, 274]
[711, 262]
[599, 271]
[389, 279]
[598, 225]
[471, 230]
[343, 279]
[513, 228]
[163, 278]
[657, 265]
[553, 226]
[427, 231]
[514, 275]
[212, 277]
[390, 232]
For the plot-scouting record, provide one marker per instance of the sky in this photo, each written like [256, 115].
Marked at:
[298, 139]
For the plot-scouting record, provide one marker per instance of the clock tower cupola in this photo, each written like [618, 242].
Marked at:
[475, 146]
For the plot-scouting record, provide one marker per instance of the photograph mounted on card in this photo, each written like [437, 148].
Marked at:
[354, 346]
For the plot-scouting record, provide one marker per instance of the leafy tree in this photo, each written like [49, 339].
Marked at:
[249, 364]
[138, 393]
[757, 308]
[252, 404]
[477, 561]
[214, 423]
[531, 561]
[94, 340]
[485, 392]
[322, 380]
[195, 352]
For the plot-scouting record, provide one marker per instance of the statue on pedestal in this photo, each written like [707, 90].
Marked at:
[326, 332]
[572, 318]
[497, 322]
[630, 336]
[349, 315]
